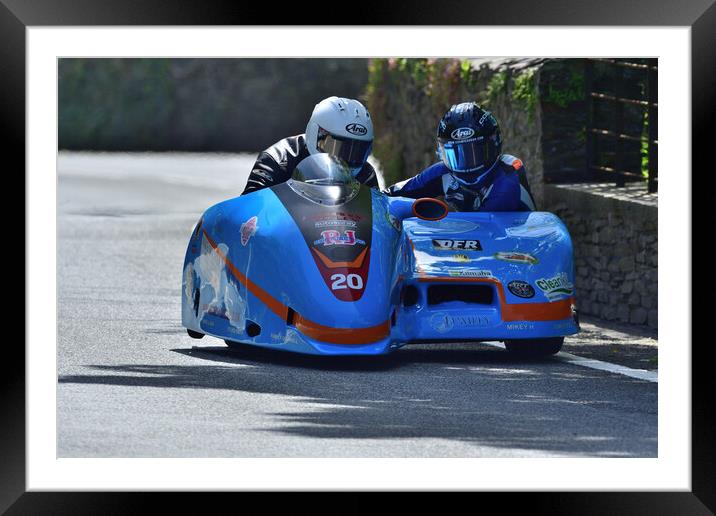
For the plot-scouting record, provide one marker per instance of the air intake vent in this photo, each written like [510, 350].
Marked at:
[410, 296]
[252, 329]
[477, 294]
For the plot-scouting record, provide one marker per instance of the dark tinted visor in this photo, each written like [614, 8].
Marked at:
[353, 152]
[467, 156]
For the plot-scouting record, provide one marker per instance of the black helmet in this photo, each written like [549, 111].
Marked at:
[469, 138]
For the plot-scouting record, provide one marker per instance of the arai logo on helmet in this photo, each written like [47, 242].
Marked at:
[462, 133]
[357, 129]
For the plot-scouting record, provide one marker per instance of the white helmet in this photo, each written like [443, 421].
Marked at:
[342, 128]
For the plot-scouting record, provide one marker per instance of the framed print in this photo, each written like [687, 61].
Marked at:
[275, 257]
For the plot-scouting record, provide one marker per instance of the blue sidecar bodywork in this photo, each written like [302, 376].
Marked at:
[274, 269]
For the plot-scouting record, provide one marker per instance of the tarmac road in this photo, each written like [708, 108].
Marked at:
[132, 384]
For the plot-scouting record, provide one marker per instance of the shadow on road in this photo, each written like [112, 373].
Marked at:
[453, 394]
[423, 354]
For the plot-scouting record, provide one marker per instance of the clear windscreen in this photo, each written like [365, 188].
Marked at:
[324, 179]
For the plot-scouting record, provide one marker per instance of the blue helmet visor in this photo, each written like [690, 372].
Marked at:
[465, 156]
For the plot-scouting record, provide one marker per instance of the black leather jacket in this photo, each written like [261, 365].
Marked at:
[275, 165]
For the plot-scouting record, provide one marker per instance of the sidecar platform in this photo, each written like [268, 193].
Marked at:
[487, 276]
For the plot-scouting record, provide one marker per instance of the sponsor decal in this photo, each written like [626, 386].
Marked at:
[357, 129]
[516, 257]
[470, 273]
[395, 222]
[461, 258]
[521, 289]
[334, 237]
[443, 322]
[248, 229]
[486, 115]
[335, 223]
[467, 245]
[520, 326]
[462, 133]
[339, 215]
[556, 287]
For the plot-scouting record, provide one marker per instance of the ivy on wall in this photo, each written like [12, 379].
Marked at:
[403, 93]
[525, 92]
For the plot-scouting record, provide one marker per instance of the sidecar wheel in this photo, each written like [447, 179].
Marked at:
[535, 347]
[194, 334]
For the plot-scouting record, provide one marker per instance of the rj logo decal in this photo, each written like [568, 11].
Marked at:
[334, 237]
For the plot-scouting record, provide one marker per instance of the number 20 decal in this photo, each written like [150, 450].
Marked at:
[341, 281]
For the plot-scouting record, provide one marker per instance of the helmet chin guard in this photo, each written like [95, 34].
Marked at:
[342, 128]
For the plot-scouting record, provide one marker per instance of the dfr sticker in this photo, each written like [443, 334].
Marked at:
[467, 245]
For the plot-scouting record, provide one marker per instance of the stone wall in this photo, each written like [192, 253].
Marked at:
[614, 233]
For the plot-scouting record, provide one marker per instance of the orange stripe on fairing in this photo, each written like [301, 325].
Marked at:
[274, 305]
[554, 311]
[307, 327]
[333, 265]
[342, 335]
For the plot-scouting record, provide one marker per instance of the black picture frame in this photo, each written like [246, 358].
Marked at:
[17, 15]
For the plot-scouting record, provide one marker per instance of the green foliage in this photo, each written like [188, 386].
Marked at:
[498, 85]
[644, 148]
[467, 75]
[572, 92]
[195, 104]
[525, 91]
[400, 95]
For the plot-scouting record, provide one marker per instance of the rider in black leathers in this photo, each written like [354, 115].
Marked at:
[340, 127]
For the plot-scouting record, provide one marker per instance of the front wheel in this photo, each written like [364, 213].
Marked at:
[535, 347]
